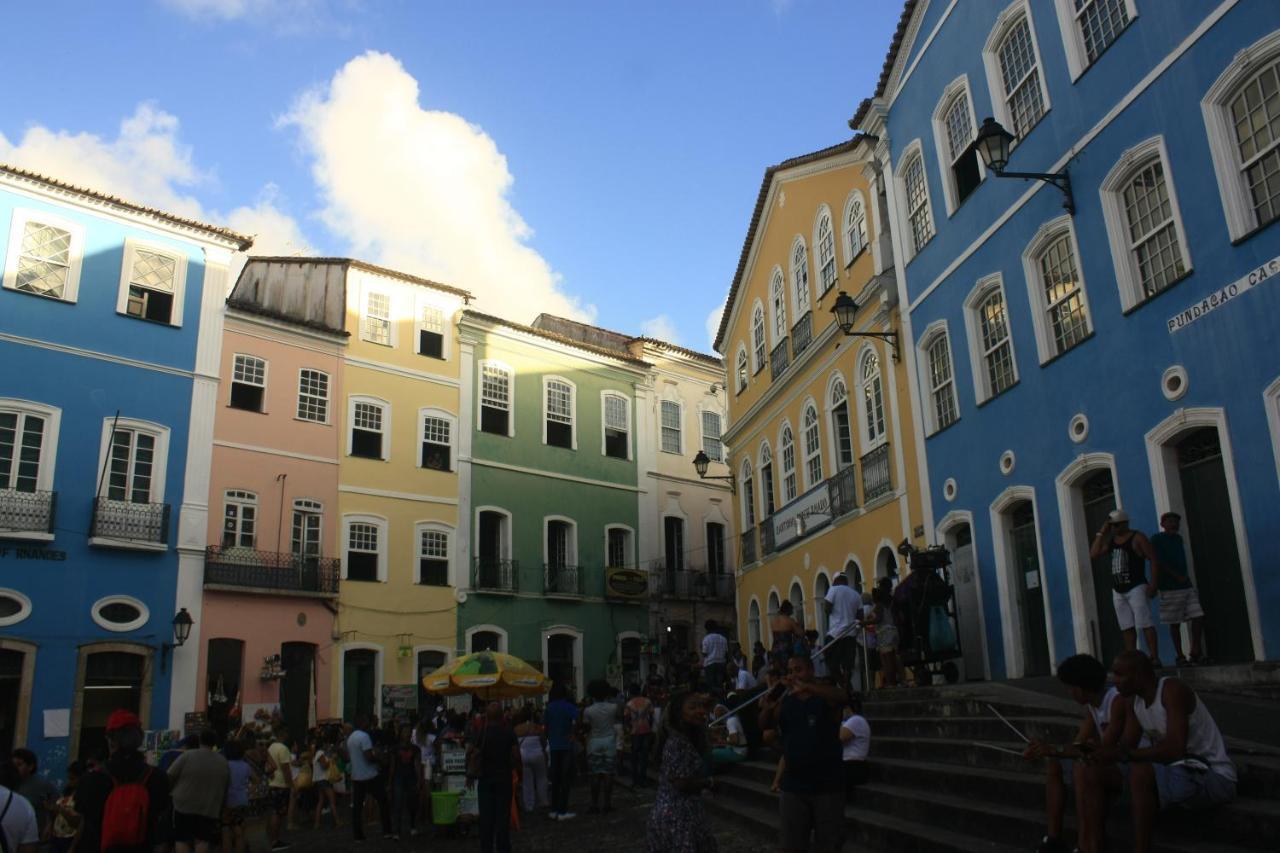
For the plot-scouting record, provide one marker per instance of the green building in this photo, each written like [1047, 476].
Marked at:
[549, 501]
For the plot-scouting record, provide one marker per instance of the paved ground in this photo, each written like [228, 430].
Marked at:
[621, 831]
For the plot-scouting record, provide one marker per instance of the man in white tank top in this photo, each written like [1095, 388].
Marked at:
[1106, 714]
[1186, 764]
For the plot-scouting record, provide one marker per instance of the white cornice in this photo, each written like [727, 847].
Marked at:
[102, 356]
[537, 472]
[337, 341]
[492, 331]
[403, 496]
[405, 372]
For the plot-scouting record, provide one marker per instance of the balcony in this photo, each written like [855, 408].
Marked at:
[560, 579]
[495, 575]
[269, 571]
[27, 515]
[779, 360]
[124, 524]
[875, 474]
[767, 540]
[687, 585]
[801, 335]
[747, 550]
[843, 488]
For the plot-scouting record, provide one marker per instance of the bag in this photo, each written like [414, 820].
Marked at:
[333, 774]
[304, 779]
[942, 634]
[125, 817]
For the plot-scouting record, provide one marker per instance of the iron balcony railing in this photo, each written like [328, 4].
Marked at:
[690, 585]
[748, 547]
[843, 489]
[130, 522]
[561, 580]
[801, 335]
[246, 568]
[494, 575]
[767, 540]
[779, 360]
[27, 512]
[875, 473]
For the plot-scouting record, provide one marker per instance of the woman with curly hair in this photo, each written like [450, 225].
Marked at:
[678, 823]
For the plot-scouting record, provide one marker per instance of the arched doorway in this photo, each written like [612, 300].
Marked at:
[796, 597]
[753, 625]
[958, 537]
[887, 564]
[1097, 495]
[112, 676]
[1028, 582]
[820, 587]
[297, 687]
[223, 673]
[562, 656]
[359, 683]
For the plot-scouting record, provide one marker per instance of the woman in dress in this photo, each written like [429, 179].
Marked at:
[678, 823]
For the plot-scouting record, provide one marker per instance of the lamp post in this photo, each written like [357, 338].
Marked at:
[992, 144]
[700, 462]
[846, 309]
[182, 624]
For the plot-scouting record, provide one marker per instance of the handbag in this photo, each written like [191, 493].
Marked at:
[942, 634]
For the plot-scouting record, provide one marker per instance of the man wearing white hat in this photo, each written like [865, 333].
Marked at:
[1130, 590]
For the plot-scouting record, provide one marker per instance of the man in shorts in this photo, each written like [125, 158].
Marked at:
[1179, 602]
[198, 781]
[1130, 592]
[844, 606]
[279, 785]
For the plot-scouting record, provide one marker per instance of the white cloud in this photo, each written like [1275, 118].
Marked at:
[713, 325]
[660, 327]
[223, 10]
[421, 190]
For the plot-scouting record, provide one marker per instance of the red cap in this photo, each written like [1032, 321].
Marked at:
[122, 719]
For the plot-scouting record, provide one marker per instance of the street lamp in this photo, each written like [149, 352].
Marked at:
[182, 624]
[846, 309]
[992, 144]
[700, 462]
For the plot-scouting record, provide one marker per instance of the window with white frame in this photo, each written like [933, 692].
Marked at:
[778, 304]
[617, 426]
[248, 382]
[364, 551]
[617, 547]
[1097, 24]
[44, 257]
[1012, 59]
[1057, 290]
[433, 555]
[919, 217]
[766, 479]
[670, 415]
[561, 538]
[942, 386]
[758, 350]
[954, 130]
[812, 447]
[495, 399]
[1148, 246]
[855, 226]
[308, 519]
[787, 448]
[239, 518]
[437, 442]
[27, 437]
[431, 331]
[313, 395]
[841, 430]
[711, 444]
[748, 495]
[740, 372]
[131, 470]
[872, 400]
[825, 241]
[375, 326]
[991, 316]
[559, 418]
[152, 284]
[368, 437]
[800, 276]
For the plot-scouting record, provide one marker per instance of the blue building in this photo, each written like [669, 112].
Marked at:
[1124, 354]
[110, 334]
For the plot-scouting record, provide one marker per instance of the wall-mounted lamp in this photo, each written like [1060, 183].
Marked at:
[700, 463]
[182, 623]
[992, 144]
[846, 309]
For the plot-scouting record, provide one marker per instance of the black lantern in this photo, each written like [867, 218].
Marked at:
[993, 143]
[701, 461]
[845, 310]
[182, 627]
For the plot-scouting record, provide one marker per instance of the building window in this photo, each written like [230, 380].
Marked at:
[22, 451]
[617, 426]
[825, 241]
[670, 414]
[437, 444]
[45, 253]
[134, 458]
[800, 276]
[840, 427]
[740, 370]
[617, 547]
[433, 556]
[715, 548]
[1012, 60]
[1089, 27]
[559, 413]
[942, 386]
[855, 226]
[313, 396]
[758, 352]
[787, 447]
[953, 131]
[778, 302]
[431, 332]
[248, 383]
[766, 479]
[239, 519]
[307, 520]
[673, 542]
[872, 400]
[748, 496]
[1057, 288]
[495, 399]
[812, 447]
[130, 471]
[919, 217]
[376, 324]
[362, 551]
[561, 543]
[367, 438]
[151, 287]
[711, 444]
[996, 343]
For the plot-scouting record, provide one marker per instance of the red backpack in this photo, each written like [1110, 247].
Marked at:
[125, 817]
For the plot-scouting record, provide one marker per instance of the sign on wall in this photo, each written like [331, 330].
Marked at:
[1222, 296]
[802, 516]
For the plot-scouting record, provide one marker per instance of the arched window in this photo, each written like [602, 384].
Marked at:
[778, 304]
[758, 351]
[773, 606]
[820, 587]
[748, 496]
[942, 386]
[812, 448]
[787, 447]
[796, 598]
[753, 623]
[1059, 306]
[855, 226]
[800, 276]
[872, 400]
[740, 369]
[825, 241]
[916, 195]
[766, 479]
[1012, 59]
[841, 432]
[954, 129]
[997, 346]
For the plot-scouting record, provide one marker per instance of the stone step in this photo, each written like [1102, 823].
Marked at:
[977, 706]
[962, 752]
[982, 727]
[1021, 789]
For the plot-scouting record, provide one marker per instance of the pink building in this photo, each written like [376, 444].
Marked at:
[271, 568]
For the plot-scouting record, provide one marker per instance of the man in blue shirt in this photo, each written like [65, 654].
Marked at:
[559, 718]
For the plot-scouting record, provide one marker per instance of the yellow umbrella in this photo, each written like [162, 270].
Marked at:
[488, 675]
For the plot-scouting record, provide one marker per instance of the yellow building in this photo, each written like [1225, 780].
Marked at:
[821, 436]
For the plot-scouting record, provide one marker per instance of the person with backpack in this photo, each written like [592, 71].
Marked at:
[121, 801]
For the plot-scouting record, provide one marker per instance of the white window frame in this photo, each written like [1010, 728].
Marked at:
[801, 298]
[973, 331]
[547, 379]
[385, 405]
[240, 498]
[957, 88]
[376, 521]
[432, 526]
[158, 468]
[1073, 39]
[505, 545]
[866, 442]
[778, 299]
[144, 614]
[1128, 278]
[1005, 21]
[785, 493]
[604, 421]
[1046, 236]
[741, 370]
[266, 366]
[452, 419]
[326, 399]
[852, 250]
[679, 408]
[571, 559]
[367, 291]
[309, 506]
[421, 304]
[702, 433]
[24, 610]
[909, 154]
[810, 454]
[833, 436]
[759, 338]
[131, 247]
[48, 442]
[825, 212]
[764, 458]
[511, 394]
[21, 217]
[498, 631]
[630, 562]
[936, 329]
[746, 505]
[1237, 205]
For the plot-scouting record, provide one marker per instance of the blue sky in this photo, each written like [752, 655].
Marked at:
[599, 158]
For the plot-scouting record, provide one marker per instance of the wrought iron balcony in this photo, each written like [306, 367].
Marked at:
[767, 539]
[875, 473]
[801, 335]
[779, 360]
[843, 488]
[27, 512]
[747, 549]
[561, 580]
[246, 568]
[130, 522]
[688, 585]
[494, 575]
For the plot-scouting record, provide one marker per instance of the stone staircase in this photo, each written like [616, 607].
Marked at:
[933, 789]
